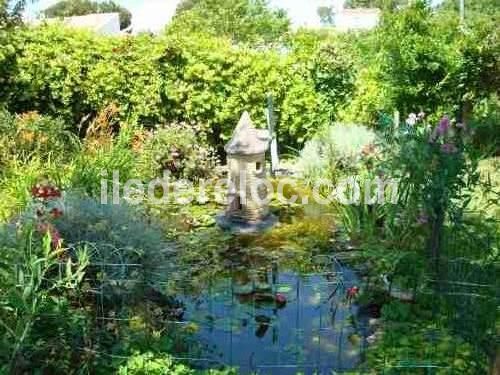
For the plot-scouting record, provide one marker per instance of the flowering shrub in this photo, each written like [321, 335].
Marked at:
[437, 171]
[179, 149]
[30, 135]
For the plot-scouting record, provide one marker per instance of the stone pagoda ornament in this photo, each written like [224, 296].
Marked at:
[247, 209]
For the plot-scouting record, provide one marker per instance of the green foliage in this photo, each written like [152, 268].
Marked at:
[119, 233]
[67, 8]
[93, 165]
[406, 347]
[484, 121]
[474, 10]
[76, 74]
[30, 293]
[338, 149]
[332, 72]
[178, 149]
[436, 167]
[485, 199]
[9, 47]
[326, 15]
[151, 364]
[381, 4]
[17, 179]
[396, 312]
[11, 12]
[239, 20]
[159, 364]
[432, 63]
[30, 135]
[177, 78]
[416, 58]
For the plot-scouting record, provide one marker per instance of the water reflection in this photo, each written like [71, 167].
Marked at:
[278, 321]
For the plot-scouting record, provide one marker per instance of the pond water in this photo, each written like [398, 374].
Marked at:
[277, 321]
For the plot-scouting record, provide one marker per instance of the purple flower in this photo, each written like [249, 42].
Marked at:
[443, 127]
[449, 148]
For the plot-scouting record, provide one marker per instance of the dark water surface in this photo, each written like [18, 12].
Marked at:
[242, 320]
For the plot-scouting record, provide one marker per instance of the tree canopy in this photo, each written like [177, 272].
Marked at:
[249, 21]
[67, 8]
[10, 12]
[326, 15]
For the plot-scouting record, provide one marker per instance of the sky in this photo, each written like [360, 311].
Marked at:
[153, 15]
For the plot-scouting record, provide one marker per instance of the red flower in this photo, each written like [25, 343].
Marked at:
[352, 292]
[56, 213]
[45, 191]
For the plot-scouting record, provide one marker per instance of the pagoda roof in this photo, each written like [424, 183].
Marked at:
[246, 139]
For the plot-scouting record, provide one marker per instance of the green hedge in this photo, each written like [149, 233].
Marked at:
[173, 77]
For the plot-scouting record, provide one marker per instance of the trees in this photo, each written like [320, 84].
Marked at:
[67, 8]
[325, 15]
[430, 62]
[10, 12]
[247, 21]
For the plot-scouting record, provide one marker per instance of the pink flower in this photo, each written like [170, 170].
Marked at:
[280, 299]
[441, 130]
[449, 148]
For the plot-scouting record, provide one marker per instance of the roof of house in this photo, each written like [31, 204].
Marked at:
[246, 139]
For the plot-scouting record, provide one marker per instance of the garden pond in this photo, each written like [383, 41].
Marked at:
[270, 309]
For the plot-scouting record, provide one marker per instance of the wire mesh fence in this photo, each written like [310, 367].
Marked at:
[271, 320]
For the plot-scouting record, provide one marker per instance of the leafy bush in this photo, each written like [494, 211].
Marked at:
[159, 364]
[31, 135]
[153, 364]
[430, 62]
[178, 149]
[484, 122]
[90, 167]
[176, 78]
[119, 233]
[337, 149]
[34, 302]
[18, 178]
[406, 346]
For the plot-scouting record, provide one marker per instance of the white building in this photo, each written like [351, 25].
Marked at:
[305, 14]
[356, 19]
[102, 23]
